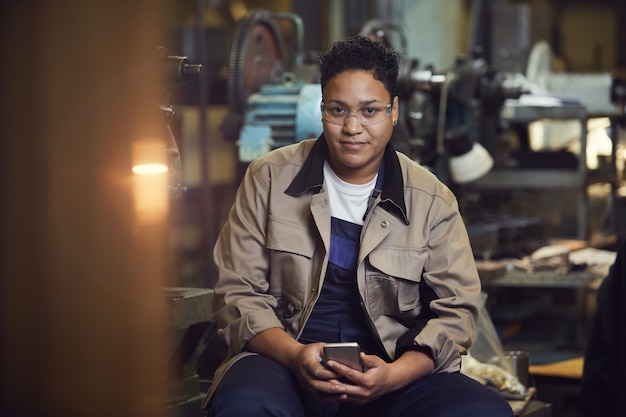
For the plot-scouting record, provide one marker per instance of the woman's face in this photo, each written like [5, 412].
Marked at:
[356, 150]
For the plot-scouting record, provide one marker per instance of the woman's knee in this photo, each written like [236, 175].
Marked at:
[256, 386]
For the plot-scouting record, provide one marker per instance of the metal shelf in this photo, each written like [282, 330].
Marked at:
[539, 179]
[527, 114]
[580, 178]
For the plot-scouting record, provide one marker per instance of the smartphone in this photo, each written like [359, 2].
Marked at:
[348, 353]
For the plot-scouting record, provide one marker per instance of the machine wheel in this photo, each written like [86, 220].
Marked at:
[256, 57]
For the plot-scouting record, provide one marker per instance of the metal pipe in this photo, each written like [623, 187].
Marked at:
[298, 56]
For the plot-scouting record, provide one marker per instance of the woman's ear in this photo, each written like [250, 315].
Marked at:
[395, 110]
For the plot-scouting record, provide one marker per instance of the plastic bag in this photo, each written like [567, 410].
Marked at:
[487, 360]
[487, 347]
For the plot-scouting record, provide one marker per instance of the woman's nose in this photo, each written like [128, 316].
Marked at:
[352, 124]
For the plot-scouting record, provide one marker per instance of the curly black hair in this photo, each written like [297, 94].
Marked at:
[361, 53]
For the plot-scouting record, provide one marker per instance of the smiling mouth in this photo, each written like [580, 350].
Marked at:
[353, 146]
[352, 143]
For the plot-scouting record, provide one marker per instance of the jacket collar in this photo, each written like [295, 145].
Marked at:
[311, 178]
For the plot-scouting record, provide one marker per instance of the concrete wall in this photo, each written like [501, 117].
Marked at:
[437, 30]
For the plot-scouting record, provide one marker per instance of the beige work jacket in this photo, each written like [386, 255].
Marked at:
[272, 256]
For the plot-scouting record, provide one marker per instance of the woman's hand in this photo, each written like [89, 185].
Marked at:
[334, 381]
[380, 377]
[303, 360]
[315, 378]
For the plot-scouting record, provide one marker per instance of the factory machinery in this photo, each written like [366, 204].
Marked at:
[271, 103]
[274, 96]
[175, 71]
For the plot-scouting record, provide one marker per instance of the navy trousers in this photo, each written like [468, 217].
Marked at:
[258, 386]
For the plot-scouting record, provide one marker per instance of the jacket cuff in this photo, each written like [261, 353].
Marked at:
[406, 342]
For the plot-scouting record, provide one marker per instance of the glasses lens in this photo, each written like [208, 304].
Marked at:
[369, 115]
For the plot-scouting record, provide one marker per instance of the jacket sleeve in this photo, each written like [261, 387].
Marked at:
[449, 293]
[242, 306]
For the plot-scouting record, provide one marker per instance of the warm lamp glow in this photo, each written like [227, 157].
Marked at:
[150, 185]
[150, 169]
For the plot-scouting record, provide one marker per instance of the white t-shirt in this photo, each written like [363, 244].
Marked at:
[347, 201]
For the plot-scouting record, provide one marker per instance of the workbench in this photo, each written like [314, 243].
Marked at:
[554, 178]
[544, 310]
[559, 383]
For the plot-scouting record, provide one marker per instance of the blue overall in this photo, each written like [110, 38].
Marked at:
[338, 315]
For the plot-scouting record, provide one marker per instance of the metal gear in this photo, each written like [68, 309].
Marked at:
[256, 57]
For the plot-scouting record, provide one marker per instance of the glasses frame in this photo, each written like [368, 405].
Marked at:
[388, 107]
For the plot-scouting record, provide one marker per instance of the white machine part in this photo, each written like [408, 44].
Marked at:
[549, 88]
[592, 90]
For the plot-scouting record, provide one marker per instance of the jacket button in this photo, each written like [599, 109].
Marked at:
[384, 224]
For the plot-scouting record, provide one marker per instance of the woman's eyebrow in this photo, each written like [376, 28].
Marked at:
[343, 104]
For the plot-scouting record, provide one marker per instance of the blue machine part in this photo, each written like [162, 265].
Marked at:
[280, 115]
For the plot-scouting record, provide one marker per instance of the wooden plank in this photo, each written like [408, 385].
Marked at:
[571, 368]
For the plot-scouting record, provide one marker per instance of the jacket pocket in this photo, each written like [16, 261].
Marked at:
[291, 248]
[393, 282]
